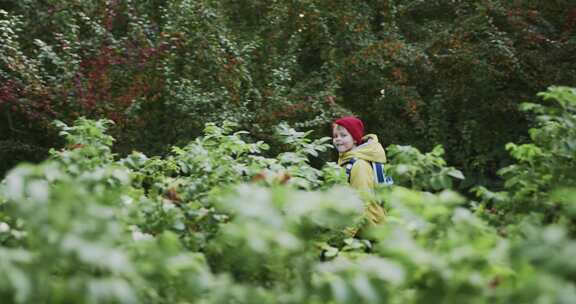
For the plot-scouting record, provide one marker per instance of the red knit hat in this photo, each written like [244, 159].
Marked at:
[354, 125]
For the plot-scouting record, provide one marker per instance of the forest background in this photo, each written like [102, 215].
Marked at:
[420, 73]
[179, 151]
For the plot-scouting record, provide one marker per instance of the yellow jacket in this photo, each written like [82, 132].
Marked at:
[362, 174]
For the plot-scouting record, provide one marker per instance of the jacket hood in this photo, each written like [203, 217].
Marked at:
[371, 150]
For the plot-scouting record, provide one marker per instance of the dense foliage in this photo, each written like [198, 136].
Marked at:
[216, 221]
[421, 73]
[205, 213]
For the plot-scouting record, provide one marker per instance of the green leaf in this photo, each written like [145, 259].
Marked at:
[456, 174]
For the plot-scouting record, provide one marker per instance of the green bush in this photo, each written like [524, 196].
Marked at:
[544, 166]
[216, 221]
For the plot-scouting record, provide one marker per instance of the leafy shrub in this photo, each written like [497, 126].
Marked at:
[543, 165]
[420, 171]
[215, 221]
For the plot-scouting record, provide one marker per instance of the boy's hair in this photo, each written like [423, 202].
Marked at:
[354, 125]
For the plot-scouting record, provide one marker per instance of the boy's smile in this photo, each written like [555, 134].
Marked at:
[342, 139]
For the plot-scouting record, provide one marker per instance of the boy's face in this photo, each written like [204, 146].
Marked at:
[342, 139]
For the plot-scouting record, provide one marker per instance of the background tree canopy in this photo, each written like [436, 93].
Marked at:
[418, 72]
[179, 159]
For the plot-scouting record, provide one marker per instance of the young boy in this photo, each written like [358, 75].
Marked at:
[348, 138]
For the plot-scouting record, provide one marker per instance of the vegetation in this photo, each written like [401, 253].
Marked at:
[172, 151]
[215, 221]
[420, 73]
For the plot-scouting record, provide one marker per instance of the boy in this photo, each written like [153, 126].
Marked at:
[348, 138]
